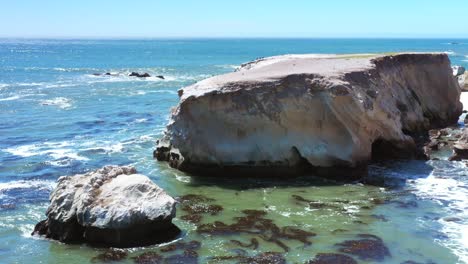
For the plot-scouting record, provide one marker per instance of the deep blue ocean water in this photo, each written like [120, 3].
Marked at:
[57, 118]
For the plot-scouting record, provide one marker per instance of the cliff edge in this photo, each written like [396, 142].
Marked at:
[321, 113]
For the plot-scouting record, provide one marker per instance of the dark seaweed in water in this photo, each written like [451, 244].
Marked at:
[148, 258]
[312, 204]
[197, 205]
[332, 258]
[369, 247]
[180, 245]
[194, 218]
[254, 223]
[110, 255]
[195, 198]
[262, 258]
[253, 244]
[188, 256]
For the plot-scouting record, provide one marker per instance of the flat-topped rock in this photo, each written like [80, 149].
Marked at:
[294, 113]
[113, 206]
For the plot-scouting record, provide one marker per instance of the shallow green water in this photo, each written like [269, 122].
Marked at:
[339, 212]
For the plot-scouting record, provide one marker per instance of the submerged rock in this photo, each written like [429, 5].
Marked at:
[113, 206]
[254, 223]
[111, 255]
[332, 258]
[368, 247]
[325, 114]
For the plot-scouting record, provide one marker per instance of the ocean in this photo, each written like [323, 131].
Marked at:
[58, 118]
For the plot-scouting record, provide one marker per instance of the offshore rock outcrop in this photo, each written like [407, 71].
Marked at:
[322, 113]
[113, 206]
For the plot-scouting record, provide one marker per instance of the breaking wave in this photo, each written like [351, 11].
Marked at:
[61, 102]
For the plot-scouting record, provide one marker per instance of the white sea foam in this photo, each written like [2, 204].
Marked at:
[141, 120]
[11, 98]
[55, 150]
[108, 147]
[123, 77]
[452, 193]
[228, 66]
[450, 52]
[29, 84]
[61, 102]
[3, 85]
[60, 85]
[23, 184]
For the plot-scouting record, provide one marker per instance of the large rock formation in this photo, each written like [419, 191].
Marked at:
[283, 115]
[112, 206]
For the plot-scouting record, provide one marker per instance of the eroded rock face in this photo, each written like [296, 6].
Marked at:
[460, 148]
[463, 81]
[283, 115]
[112, 206]
[458, 70]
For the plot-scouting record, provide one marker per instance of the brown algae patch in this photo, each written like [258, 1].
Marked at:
[196, 206]
[111, 255]
[332, 258]
[368, 247]
[262, 258]
[188, 254]
[254, 223]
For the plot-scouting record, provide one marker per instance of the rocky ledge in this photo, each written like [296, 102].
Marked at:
[327, 114]
[112, 206]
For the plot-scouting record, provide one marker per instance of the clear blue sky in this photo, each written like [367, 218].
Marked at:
[234, 18]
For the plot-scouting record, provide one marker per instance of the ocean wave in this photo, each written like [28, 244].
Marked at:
[163, 91]
[124, 77]
[61, 102]
[63, 154]
[11, 98]
[58, 151]
[3, 85]
[228, 66]
[20, 96]
[450, 52]
[105, 147]
[24, 184]
[60, 85]
[447, 186]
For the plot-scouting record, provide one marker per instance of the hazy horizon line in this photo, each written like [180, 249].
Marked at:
[221, 37]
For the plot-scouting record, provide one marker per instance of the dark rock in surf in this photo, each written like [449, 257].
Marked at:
[139, 75]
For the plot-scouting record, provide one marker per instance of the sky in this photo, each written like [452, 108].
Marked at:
[234, 18]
